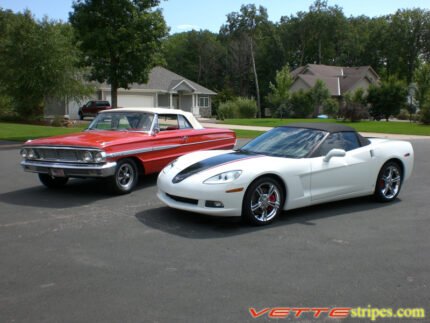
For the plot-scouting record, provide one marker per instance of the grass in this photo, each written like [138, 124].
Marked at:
[393, 127]
[23, 132]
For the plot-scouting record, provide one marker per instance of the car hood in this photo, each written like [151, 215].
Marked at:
[93, 138]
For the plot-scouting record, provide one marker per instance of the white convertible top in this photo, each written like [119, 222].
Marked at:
[188, 115]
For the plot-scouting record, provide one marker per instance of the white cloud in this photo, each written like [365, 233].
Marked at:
[188, 27]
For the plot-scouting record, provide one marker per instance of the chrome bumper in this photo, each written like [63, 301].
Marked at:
[71, 169]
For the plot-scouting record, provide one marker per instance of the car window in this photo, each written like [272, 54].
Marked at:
[168, 122]
[338, 140]
[124, 121]
[102, 103]
[285, 142]
[183, 122]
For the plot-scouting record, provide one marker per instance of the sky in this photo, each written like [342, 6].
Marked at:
[184, 15]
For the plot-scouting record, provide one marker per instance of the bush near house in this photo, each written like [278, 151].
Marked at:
[237, 108]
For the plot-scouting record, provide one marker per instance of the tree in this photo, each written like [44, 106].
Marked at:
[38, 60]
[387, 99]
[198, 56]
[120, 39]
[319, 94]
[354, 106]
[422, 79]
[408, 30]
[301, 104]
[280, 92]
[241, 32]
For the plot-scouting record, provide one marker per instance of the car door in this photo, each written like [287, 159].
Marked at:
[340, 176]
[167, 144]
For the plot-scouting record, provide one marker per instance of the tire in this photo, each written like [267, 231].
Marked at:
[125, 177]
[81, 115]
[53, 182]
[263, 201]
[389, 182]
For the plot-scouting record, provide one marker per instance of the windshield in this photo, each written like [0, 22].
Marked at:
[122, 121]
[285, 142]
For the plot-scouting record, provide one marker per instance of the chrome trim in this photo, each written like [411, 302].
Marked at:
[145, 150]
[62, 147]
[88, 170]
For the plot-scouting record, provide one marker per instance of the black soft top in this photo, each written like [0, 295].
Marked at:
[324, 126]
[329, 127]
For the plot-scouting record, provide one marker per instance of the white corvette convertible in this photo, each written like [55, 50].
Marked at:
[288, 167]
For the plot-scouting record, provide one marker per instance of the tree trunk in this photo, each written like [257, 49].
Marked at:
[257, 87]
[114, 95]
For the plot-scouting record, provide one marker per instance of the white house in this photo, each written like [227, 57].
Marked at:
[163, 89]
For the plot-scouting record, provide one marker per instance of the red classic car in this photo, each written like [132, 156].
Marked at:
[120, 144]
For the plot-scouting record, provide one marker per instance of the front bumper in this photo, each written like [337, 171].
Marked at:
[192, 195]
[70, 169]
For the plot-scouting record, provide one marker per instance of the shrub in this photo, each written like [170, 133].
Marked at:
[331, 107]
[403, 115]
[57, 121]
[301, 104]
[246, 108]
[227, 110]
[425, 114]
[237, 108]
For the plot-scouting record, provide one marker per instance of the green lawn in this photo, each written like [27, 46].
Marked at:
[393, 127]
[23, 132]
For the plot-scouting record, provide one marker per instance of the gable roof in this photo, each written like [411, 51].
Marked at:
[338, 79]
[162, 80]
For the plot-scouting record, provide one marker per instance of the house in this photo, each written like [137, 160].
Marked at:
[338, 79]
[163, 89]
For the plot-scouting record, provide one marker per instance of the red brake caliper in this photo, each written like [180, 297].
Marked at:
[272, 198]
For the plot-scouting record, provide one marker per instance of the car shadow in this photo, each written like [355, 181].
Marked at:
[77, 192]
[199, 226]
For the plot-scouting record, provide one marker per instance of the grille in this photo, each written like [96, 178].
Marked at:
[183, 199]
[66, 155]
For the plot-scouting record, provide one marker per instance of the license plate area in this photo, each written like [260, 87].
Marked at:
[57, 172]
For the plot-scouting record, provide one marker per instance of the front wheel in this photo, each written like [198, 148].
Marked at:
[125, 177]
[263, 201]
[53, 182]
[81, 115]
[389, 182]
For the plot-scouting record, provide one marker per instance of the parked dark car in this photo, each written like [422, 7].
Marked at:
[91, 108]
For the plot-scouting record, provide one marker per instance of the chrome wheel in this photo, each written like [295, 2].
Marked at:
[263, 201]
[125, 177]
[389, 182]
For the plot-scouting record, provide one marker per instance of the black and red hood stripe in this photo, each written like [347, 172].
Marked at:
[211, 162]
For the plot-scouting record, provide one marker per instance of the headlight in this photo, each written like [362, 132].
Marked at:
[170, 166]
[23, 153]
[30, 154]
[87, 156]
[100, 157]
[223, 178]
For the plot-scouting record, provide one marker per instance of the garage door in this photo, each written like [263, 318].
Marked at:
[133, 100]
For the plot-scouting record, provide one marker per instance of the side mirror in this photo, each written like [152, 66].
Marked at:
[155, 131]
[334, 153]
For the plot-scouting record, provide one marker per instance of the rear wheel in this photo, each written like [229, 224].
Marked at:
[389, 182]
[125, 177]
[263, 201]
[53, 182]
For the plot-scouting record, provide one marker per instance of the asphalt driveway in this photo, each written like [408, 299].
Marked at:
[81, 255]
